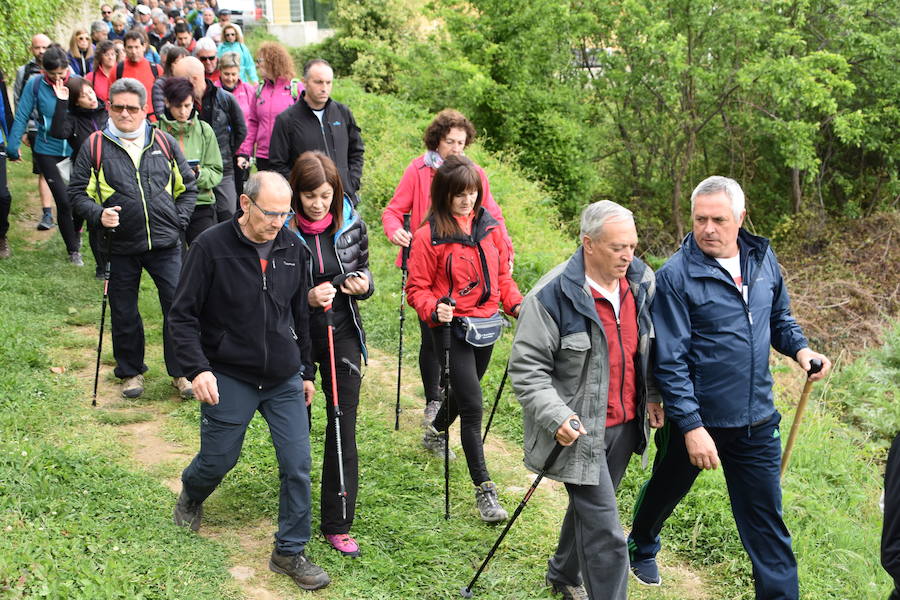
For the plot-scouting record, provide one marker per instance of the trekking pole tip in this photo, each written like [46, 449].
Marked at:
[465, 592]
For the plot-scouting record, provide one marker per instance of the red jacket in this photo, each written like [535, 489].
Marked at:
[622, 344]
[456, 266]
[413, 195]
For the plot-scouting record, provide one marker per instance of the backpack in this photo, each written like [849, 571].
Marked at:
[95, 143]
[295, 89]
[154, 68]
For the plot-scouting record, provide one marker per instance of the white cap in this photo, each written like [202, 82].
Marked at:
[143, 9]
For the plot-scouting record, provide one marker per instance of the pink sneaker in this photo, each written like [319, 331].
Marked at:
[343, 543]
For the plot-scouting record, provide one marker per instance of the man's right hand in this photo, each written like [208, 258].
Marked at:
[109, 218]
[206, 389]
[565, 435]
[701, 449]
[401, 238]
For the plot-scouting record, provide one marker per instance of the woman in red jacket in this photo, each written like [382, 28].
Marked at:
[460, 253]
[449, 134]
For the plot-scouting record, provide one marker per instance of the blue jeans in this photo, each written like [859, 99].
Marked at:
[222, 429]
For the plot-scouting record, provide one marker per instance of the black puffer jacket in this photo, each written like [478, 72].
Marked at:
[157, 201]
[351, 245]
[221, 110]
[76, 124]
[297, 130]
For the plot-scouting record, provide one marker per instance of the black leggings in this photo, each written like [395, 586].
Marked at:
[429, 366]
[467, 366]
[68, 223]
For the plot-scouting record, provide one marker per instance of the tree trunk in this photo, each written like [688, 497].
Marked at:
[676, 209]
[798, 193]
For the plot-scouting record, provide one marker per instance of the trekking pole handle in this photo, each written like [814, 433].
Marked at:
[815, 365]
[329, 317]
[405, 253]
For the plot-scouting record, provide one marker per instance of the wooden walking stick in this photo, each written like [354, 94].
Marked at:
[815, 365]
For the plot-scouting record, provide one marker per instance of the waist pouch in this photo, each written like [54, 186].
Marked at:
[480, 331]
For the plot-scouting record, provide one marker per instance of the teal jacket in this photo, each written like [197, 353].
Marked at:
[46, 105]
[248, 66]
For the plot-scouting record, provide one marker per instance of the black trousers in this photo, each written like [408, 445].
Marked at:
[5, 196]
[68, 223]
[429, 365]
[203, 218]
[890, 533]
[346, 346]
[467, 366]
[125, 272]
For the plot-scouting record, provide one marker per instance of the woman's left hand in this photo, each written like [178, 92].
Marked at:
[60, 89]
[355, 286]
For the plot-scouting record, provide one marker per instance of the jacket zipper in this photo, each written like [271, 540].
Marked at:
[322, 129]
[265, 322]
[622, 379]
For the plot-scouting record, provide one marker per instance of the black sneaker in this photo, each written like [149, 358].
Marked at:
[646, 571]
[46, 222]
[188, 513]
[304, 572]
[568, 592]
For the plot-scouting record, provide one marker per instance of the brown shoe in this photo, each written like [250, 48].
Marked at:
[303, 571]
[133, 387]
[183, 386]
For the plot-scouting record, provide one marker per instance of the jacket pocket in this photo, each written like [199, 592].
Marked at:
[570, 360]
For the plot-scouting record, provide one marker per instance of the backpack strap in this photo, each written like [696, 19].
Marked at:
[120, 68]
[95, 143]
[154, 68]
[166, 148]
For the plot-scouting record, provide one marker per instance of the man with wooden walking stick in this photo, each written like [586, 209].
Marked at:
[720, 304]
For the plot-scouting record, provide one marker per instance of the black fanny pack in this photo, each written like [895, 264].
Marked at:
[480, 331]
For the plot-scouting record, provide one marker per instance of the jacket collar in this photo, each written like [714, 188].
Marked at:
[308, 107]
[483, 223]
[752, 247]
[574, 287]
[282, 239]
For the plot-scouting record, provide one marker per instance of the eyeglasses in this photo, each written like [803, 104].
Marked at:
[207, 58]
[117, 108]
[106, 12]
[281, 216]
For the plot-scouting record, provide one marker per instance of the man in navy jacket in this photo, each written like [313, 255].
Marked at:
[720, 304]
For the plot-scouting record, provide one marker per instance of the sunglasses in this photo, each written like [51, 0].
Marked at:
[207, 58]
[106, 12]
[133, 110]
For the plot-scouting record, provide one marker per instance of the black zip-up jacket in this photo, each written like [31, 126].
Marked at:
[221, 110]
[76, 124]
[229, 316]
[297, 129]
[157, 200]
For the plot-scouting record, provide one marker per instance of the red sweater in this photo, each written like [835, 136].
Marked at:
[622, 341]
[143, 71]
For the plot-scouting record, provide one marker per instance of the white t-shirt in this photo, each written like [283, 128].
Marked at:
[612, 296]
[733, 266]
[320, 113]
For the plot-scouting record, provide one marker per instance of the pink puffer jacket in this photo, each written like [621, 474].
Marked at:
[267, 104]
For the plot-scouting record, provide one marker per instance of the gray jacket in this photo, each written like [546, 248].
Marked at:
[559, 366]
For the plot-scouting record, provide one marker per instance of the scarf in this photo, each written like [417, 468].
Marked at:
[433, 159]
[313, 227]
[133, 135]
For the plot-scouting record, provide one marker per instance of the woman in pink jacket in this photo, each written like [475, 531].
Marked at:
[243, 92]
[277, 91]
[449, 134]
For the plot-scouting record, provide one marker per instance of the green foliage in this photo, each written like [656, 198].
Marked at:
[21, 19]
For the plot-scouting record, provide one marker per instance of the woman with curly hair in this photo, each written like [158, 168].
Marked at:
[277, 91]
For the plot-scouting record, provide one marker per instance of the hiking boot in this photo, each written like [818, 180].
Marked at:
[187, 513]
[133, 387]
[646, 571]
[46, 222]
[343, 543]
[75, 259]
[5, 252]
[183, 386]
[568, 592]
[433, 440]
[431, 410]
[303, 571]
[488, 504]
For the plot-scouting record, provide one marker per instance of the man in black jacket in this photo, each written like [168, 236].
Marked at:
[133, 180]
[223, 113]
[240, 321]
[319, 123]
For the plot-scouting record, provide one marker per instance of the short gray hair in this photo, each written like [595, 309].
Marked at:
[717, 183]
[268, 179]
[596, 215]
[128, 85]
[206, 44]
[99, 26]
[229, 60]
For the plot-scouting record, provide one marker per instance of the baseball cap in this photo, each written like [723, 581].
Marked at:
[224, 11]
[143, 9]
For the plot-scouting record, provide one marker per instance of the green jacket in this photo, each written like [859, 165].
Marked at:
[198, 142]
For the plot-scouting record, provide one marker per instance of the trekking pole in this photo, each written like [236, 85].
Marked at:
[405, 271]
[466, 592]
[102, 313]
[445, 405]
[342, 492]
[496, 401]
[815, 365]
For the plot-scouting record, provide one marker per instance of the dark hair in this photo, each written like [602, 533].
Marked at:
[177, 89]
[135, 34]
[101, 49]
[76, 86]
[313, 62]
[182, 27]
[174, 53]
[312, 169]
[457, 175]
[55, 58]
[443, 122]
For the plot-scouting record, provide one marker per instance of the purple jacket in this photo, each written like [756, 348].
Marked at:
[271, 100]
[244, 93]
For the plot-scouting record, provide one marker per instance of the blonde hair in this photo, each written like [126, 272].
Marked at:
[73, 43]
[238, 36]
[230, 60]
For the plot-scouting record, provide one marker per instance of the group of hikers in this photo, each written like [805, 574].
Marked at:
[260, 275]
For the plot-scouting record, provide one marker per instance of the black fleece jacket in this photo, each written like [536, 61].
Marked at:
[230, 316]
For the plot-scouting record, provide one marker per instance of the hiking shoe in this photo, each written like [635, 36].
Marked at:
[46, 222]
[488, 504]
[568, 592]
[431, 411]
[133, 387]
[303, 571]
[646, 571]
[343, 543]
[433, 440]
[187, 513]
[183, 386]
[5, 252]
[75, 259]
